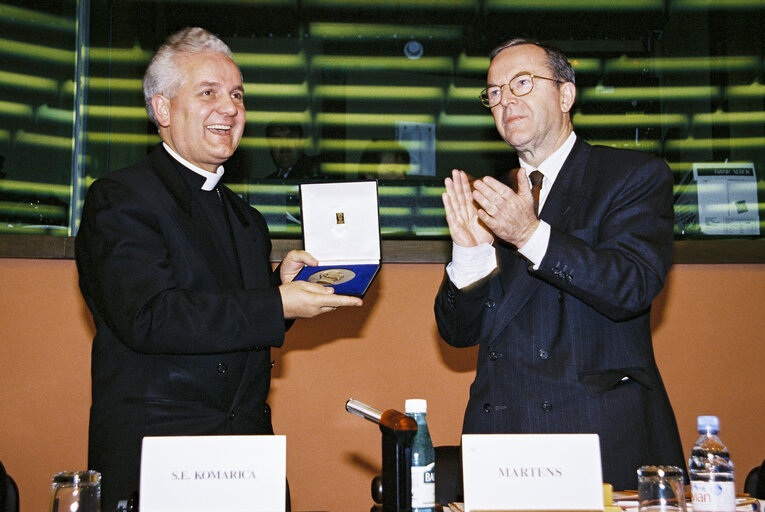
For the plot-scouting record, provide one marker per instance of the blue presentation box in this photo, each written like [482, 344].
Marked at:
[341, 229]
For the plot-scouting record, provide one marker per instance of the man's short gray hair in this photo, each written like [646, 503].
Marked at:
[561, 67]
[163, 76]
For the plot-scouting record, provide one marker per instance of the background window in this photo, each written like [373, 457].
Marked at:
[339, 90]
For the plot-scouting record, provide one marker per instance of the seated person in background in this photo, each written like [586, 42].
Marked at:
[290, 159]
[384, 164]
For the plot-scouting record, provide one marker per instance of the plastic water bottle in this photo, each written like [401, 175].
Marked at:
[423, 460]
[710, 470]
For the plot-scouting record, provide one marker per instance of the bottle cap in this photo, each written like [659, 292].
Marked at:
[416, 406]
[708, 424]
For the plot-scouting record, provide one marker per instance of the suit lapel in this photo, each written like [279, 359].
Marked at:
[516, 278]
[568, 187]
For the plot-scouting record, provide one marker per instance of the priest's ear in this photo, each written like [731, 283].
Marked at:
[160, 104]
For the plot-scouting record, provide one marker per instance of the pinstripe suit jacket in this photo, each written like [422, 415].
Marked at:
[567, 348]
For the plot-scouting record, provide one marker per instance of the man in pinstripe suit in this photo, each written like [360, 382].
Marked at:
[559, 303]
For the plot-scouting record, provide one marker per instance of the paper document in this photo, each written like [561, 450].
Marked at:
[727, 195]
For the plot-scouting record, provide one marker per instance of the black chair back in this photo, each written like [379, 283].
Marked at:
[449, 474]
[755, 482]
[9, 492]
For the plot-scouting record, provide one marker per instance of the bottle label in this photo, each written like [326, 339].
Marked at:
[713, 496]
[424, 486]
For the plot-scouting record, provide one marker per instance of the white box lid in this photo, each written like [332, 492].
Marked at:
[341, 222]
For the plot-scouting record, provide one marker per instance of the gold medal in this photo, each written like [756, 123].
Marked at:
[332, 276]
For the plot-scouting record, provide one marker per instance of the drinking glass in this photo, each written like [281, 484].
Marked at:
[660, 489]
[76, 491]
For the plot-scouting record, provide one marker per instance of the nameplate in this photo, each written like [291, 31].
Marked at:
[520, 472]
[213, 474]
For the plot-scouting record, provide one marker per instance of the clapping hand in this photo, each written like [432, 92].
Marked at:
[509, 215]
[461, 213]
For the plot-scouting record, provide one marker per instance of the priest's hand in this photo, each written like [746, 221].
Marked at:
[301, 299]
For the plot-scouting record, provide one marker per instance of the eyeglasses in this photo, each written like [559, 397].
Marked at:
[521, 85]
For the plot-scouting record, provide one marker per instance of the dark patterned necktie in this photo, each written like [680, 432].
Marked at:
[536, 178]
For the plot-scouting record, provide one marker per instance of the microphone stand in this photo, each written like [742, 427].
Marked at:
[398, 431]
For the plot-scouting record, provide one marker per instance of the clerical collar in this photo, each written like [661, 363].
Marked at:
[211, 179]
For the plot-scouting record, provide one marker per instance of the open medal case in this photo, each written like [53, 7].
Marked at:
[341, 229]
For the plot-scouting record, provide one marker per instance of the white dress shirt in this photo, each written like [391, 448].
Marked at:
[470, 264]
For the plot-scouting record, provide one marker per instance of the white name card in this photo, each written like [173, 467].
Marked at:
[213, 474]
[514, 472]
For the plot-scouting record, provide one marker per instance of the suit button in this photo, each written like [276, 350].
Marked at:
[222, 368]
[493, 356]
[543, 354]
[231, 416]
[560, 296]
[489, 304]
[546, 406]
[486, 407]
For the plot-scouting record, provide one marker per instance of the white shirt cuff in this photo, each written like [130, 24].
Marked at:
[534, 250]
[470, 264]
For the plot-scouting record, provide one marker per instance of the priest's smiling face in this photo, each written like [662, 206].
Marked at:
[205, 120]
